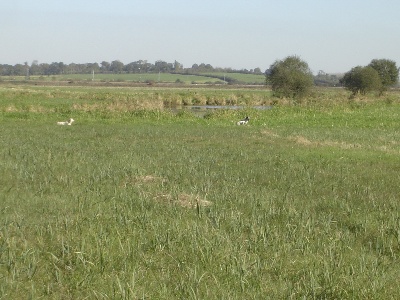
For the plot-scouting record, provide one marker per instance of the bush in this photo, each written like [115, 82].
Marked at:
[361, 80]
[290, 78]
[387, 71]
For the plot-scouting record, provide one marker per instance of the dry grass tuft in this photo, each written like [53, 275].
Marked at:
[140, 180]
[184, 200]
[191, 201]
[302, 140]
[270, 133]
[11, 108]
[306, 142]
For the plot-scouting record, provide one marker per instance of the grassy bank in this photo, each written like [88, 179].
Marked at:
[140, 203]
[67, 100]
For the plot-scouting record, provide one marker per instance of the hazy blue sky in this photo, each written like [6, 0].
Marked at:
[331, 35]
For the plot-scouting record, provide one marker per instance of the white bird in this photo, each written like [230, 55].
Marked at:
[69, 122]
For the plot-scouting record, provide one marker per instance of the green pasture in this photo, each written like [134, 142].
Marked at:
[144, 77]
[241, 77]
[147, 77]
[136, 202]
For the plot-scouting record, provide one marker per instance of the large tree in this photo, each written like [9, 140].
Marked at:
[163, 66]
[361, 80]
[290, 77]
[387, 71]
[116, 67]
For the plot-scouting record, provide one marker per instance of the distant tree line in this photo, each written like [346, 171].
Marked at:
[114, 67]
[325, 79]
[290, 77]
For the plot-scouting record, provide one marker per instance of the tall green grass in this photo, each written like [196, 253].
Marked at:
[66, 100]
[303, 203]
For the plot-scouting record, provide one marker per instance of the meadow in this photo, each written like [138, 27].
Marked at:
[137, 77]
[240, 77]
[153, 78]
[134, 201]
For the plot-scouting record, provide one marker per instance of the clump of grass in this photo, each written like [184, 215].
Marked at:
[183, 200]
[199, 99]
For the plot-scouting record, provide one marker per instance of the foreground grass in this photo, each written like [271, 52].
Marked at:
[302, 203]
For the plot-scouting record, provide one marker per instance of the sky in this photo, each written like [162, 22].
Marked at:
[330, 35]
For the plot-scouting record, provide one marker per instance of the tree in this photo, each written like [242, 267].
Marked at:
[92, 67]
[56, 68]
[35, 68]
[290, 77]
[19, 70]
[387, 71]
[361, 80]
[116, 67]
[177, 66]
[257, 71]
[162, 66]
[105, 66]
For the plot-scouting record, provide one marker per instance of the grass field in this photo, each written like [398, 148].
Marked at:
[145, 77]
[148, 77]
[241, 77]
[136, 202]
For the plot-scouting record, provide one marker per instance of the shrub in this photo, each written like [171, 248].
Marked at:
[290, 78]
[387, 71]
[361, 80]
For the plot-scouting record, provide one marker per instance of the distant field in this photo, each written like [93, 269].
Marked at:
[153, 77]
[243, 78]
[135, 201]
[162, 77]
